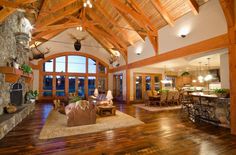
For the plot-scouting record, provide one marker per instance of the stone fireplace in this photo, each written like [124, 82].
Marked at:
[16, 94]
[13, 91]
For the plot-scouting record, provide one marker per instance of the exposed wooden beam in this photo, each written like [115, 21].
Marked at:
[141, 35]
[194, 6]
[98, 39]
[208, 45]
[5, 12]
[158, 6]
[228, 9]
[105, 13]
[152, 39]
[43, 10]
[52, 18]
[48, 10]
[97, 19]
[16, 4]
[10, 7]
[107, 37]
[110, 19]
[141, 19]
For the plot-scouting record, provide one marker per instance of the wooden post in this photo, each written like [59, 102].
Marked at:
[229, 7]
[127, 86]
[232, 68]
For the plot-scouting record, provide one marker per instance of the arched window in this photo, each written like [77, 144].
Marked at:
[72, 73]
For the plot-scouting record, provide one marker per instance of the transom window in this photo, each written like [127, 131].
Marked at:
[72, 73]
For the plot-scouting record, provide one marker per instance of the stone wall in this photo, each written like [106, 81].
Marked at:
[9, 48]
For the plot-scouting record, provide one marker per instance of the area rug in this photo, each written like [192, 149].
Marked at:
[156, 108]
[55, 125]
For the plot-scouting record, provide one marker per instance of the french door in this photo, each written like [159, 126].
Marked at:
[144, 82]
[118, 87]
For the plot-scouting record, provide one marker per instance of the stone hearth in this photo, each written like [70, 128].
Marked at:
[9, 121]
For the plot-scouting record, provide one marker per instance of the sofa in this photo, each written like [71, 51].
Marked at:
[100, 100]
[80, 113]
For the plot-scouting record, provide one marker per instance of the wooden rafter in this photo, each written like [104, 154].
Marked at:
[141, 35]
[16, 4]
[158, 6]
[194, 6]
[46, 10]
[43, 10]
[107, 29]
[109, 18]
[10, 7]
[5, 12]
[228, 9]
[98, 39]
[102, 33]
[57, 16]
[141, 20]
[108, 38]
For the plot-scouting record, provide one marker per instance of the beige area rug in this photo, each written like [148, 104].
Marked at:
[55, 125]
[156, 108]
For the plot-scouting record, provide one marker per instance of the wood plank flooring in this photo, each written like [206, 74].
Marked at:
[165, 133]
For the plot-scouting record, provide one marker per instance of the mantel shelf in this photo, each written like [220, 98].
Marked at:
[12, 74]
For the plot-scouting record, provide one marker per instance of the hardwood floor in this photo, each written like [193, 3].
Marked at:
[164, 133]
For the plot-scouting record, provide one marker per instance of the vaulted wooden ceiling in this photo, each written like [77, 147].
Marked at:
[113, 23]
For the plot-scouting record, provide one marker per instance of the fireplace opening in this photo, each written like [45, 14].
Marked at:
[16, 94]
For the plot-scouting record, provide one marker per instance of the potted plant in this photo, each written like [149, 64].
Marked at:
[221, 92]
[26, 68]
[32, 95]
[163, 91]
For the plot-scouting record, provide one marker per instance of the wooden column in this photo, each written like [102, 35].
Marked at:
[232, 68]
[229, 7]
[127, 86]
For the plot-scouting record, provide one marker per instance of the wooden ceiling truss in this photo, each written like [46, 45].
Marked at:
[115, 24]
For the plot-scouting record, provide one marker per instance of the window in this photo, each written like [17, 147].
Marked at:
[47, 85]
[60, 85]
[91, 66]
[61, 64]
[48, 66]
[102, 85]
[148, 82]
[157, 83]
[76, 64]
[91, 85]
[81, 87]
[101, 68]
[72, 74]
[139, 90]
[72, 81]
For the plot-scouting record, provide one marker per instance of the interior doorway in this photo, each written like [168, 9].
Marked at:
[118, 87]
[144, 82]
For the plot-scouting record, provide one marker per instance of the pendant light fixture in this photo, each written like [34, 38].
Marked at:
[165, 80]
[208, 77]
[200, 77]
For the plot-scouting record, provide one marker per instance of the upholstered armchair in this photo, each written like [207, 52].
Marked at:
[80, 113]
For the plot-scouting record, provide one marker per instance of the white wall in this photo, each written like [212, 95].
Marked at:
[224, 71]
[146, 48]
[209, 23]
[64, 43]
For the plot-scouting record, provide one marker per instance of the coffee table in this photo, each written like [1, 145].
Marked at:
[106, 110]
